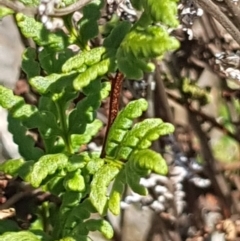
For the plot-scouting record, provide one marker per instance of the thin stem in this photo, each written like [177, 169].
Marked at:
[32, 10]
[235, 11]
[64, 128]
[218, 182]
[114, 105]
[71, 8]
[115, 162]
[215, 12]
[165, 109]
[45, 219]
[205, 117]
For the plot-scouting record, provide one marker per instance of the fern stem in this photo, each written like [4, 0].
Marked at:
[114, 105]
[44, 216]
[115, 162]
[64, 128]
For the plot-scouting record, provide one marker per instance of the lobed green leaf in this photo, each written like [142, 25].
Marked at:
[16, 105]
[99, 185]
[133, 179]
[135, 135]
[91, 130]
[141, 136]
[52, 61]
[12, 166]
[88, 25]
[89, 58]
[8, 100]
[117, 35]
[94, 165]
[149, 42]
[162, 11]
[137, 4]
[78, 161]
[123, 123]
[74, 181]
[92, 73]
[42, 84]
[148, 160]
[85, 111]
[45, 166]
[116, 192]
[30, 28]
[5, 12]
[54, 185]
[26, 144]
[154, 134]
[70, 199]
[8, 225]
[19, 236]
[29, 64]
[100, 225]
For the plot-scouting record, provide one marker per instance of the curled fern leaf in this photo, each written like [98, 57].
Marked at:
[149, 42]
[123, 123]
[162, 11]
[133, 179]
[140, 131]
[141, 44]
[154, 134]
[149, 160]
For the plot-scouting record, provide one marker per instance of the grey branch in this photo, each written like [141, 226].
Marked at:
[215, 12]
[58, 12]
